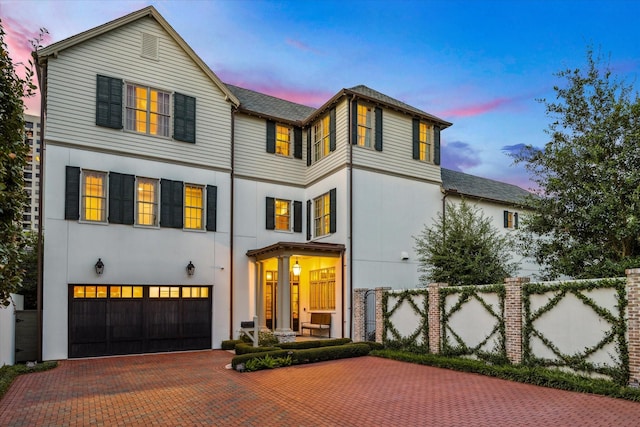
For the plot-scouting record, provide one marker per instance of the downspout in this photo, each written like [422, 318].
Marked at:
[41, 70]
[231, 199]
[350, 113]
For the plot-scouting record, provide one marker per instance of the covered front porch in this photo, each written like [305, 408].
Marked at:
[292, 281]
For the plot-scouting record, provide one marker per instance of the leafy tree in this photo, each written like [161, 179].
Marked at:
[13, 154]
[586, 219]
[463, 248]
[29, 286]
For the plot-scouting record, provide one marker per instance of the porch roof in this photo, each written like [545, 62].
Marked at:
[311, 248]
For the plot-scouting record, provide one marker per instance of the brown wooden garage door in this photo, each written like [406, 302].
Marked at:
[120, 319]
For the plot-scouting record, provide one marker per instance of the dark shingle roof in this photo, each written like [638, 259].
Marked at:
[270, 106]
[378, 96]
[475, 186]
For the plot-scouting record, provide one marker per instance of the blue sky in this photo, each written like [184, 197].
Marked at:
[478, 64]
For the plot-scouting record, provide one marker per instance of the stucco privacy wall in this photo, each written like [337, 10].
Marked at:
[548, 323]
[8, 329]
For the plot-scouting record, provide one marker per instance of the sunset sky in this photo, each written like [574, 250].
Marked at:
[481, 65]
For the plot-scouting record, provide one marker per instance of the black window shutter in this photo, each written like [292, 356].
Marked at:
[270, 217]
[297, 143]
[72, 193]
[309, 146]
[515, 220]
[271, 136]
[297, 217]
[109, 102]
[378, 124]
[121, 189]
[332, 211]
[506, 219]
[332, 130]
[436, 145]
[184, 118]
[212, 207]
[308, 219]
[416, 139]
[354, 123]
[171, 203]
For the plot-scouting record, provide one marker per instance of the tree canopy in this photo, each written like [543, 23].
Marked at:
[586, 213]
[13, 155]
[462, 248]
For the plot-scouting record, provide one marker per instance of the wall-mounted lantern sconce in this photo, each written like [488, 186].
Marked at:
[296, 268]
[191, 268]
[99, 266]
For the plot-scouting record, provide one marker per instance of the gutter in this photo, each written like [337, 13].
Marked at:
[350, 237]
[41, 70]
[234, 110]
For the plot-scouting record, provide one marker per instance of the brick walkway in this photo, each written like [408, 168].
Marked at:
[196, 389]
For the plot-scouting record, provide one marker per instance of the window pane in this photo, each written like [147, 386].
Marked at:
[114, 292]
[186, 292]
[204, 292]
[126, 292]
[90, 291]
[101, 291]
[154, 292]
[175, 292]
[147, 203]
[94, 196]
[164, 292]
[137, 291]
[282, 215]
[283, 140]
[78, 291]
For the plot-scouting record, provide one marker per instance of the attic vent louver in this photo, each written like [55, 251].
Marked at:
[149, 46]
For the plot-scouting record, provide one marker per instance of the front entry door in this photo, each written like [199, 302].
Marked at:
[271, 295]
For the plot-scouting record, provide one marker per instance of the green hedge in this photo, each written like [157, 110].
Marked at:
[524, 374]
[230, 344]
[244, 348]
[313, 344]
[309, 355]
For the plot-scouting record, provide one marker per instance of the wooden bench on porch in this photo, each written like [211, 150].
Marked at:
[319, 321]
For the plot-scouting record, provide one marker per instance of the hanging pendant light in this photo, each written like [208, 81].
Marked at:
[296, 268]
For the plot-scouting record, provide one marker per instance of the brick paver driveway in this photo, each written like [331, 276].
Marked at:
[196, 389]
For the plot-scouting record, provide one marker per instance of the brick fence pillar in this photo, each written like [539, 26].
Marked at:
[633, 325]
[380, 313]
[359, 314]
[513, 317]
[434, 317]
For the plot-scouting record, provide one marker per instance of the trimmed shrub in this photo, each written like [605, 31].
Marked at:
[313, 344]
[243, 348]
[230, 344]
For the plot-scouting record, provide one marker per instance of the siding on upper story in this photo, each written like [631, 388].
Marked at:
[71, 97]
[337, 159]
[252, 161]
[396, 157]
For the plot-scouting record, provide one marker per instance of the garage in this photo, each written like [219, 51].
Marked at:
[109, 320]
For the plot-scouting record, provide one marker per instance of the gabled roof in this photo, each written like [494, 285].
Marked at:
[374, 95]
[482, 188]
[268, 106]
[55, 48]
[368, 94]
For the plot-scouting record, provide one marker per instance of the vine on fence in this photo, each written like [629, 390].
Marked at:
[465, 294]
[410, 342]
[578, 362]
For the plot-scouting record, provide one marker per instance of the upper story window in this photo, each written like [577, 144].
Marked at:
[365, 125]
[321, 138]
[321, 215]
[148, 110]
[510, 219]
[426, 142]
[193, 207]
[94, 196]
[147, 202]
[283, 140]
[29, 125]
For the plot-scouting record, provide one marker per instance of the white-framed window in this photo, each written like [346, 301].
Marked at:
[147, 202]
[147, 110]
[94, 196]
[321, 138]
[283, 215]
[193, 207]
[283, 140]
[366, 120]
[426, 142]
[322, 215]
[322, 289]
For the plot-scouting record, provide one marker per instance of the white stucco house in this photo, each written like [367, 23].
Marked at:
[177, 206]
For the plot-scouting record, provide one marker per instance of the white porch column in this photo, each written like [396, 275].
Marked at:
[259, 297]
[283, 297]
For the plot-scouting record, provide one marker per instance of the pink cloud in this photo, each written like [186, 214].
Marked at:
[477, 109]
[17, 38]
[301, 45]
